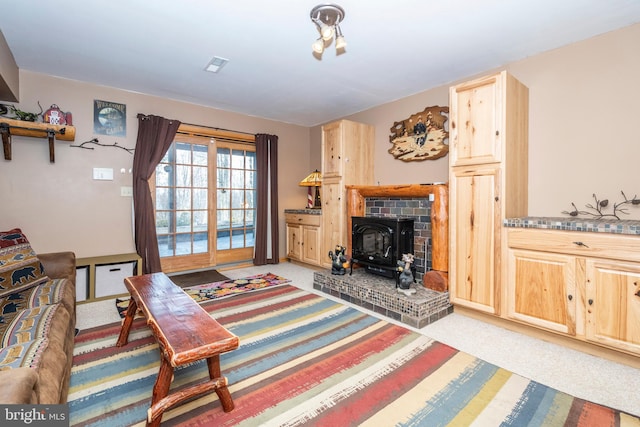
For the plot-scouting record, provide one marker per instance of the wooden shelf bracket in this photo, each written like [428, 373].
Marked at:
[9, 127]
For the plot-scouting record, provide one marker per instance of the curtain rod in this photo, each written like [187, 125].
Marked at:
[203, 126]
[214, 128]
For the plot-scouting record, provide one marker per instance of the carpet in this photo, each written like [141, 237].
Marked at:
[307, 360]
[225, 288]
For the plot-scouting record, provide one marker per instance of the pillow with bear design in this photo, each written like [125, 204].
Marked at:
[20, 267]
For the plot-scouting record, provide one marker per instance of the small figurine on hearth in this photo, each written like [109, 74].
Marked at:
[405, 277]
[339, 262]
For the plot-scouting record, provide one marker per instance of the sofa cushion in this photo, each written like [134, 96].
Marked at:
[18, 386]
[53, 291]
[51, 321]
[26, 354]
[20, 268]
[46, 359]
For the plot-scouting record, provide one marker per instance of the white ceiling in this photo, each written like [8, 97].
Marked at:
[395, 48]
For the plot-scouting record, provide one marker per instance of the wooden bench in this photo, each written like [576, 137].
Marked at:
[185, 333]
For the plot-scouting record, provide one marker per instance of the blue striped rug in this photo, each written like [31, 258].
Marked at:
[306, 360]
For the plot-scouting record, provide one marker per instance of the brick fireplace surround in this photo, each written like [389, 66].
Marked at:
[431, 301]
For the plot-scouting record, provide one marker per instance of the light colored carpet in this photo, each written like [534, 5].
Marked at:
[576, 373]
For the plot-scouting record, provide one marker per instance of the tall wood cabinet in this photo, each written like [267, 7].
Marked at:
[347, 159]
[487, 183]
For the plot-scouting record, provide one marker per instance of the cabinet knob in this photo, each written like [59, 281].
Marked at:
[570, 297]
[590, 302]
[580, 244]
[637, 294]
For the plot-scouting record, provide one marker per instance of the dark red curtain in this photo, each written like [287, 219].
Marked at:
[155, 135]
[266, 248]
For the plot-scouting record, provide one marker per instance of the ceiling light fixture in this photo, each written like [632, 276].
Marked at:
[327, 18]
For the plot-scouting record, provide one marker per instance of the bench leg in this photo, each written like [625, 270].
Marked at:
[213, 363]
[126, 324]
[160, 391]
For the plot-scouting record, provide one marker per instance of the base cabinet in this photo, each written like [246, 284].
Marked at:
[542, 290]
[580, 284]
[613, 304]
[303, 237]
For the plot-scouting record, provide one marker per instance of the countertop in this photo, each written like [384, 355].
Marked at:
[614, 226]
[307, 211]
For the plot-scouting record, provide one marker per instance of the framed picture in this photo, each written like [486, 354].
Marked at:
[109, 118]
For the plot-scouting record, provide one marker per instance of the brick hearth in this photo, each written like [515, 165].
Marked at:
[379, 294]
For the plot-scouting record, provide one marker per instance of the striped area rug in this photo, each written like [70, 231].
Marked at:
[306, 360]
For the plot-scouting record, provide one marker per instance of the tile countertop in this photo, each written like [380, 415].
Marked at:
[307, 211]
[576, 224]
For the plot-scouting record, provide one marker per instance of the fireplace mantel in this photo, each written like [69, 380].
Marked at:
[356, 195]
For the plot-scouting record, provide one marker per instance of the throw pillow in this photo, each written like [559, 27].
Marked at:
[20, 268]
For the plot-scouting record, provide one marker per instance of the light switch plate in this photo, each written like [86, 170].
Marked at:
[126, 191]
[103, 174]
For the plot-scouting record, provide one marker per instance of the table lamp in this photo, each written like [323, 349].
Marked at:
[313, 180]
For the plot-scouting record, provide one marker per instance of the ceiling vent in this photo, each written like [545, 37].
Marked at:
[216, 64]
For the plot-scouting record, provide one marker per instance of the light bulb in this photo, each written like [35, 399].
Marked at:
[318, 46]
[327, 32]
[340, 42]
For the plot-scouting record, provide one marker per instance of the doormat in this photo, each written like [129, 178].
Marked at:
[217, 290]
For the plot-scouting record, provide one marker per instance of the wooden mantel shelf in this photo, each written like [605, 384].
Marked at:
[10, 127]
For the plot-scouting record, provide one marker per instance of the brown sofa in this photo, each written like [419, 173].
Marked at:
[36, 350]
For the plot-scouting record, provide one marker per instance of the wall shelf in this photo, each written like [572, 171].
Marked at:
[11, 127]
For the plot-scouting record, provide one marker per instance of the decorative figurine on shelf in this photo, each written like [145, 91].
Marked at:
[339, 262]
[405, 277]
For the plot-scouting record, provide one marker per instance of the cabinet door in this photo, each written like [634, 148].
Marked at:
[311, 245]
[475, 238]
[542, 290]
[613, 304]
[332, 150]
[294, 236]
[476, 121]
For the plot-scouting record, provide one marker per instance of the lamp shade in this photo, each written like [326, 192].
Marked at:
[313, 180]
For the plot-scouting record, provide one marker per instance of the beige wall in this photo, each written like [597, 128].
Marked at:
[584, 139]
[584, 136]
[61, 207]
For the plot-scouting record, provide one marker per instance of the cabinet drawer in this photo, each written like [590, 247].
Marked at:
[302, 219]
[110, 278]
[599, 245]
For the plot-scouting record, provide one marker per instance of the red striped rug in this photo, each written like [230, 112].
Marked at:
[307, 360]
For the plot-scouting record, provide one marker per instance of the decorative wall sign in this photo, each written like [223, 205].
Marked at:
[422, 136]
[109, 118]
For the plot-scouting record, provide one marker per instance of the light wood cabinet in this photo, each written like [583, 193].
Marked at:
[347, 159]
[303, 237]
[542, 290]
[487, 183]
[580, 284]
[613, 304]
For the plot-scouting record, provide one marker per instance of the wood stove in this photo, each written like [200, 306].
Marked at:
[378, 243]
